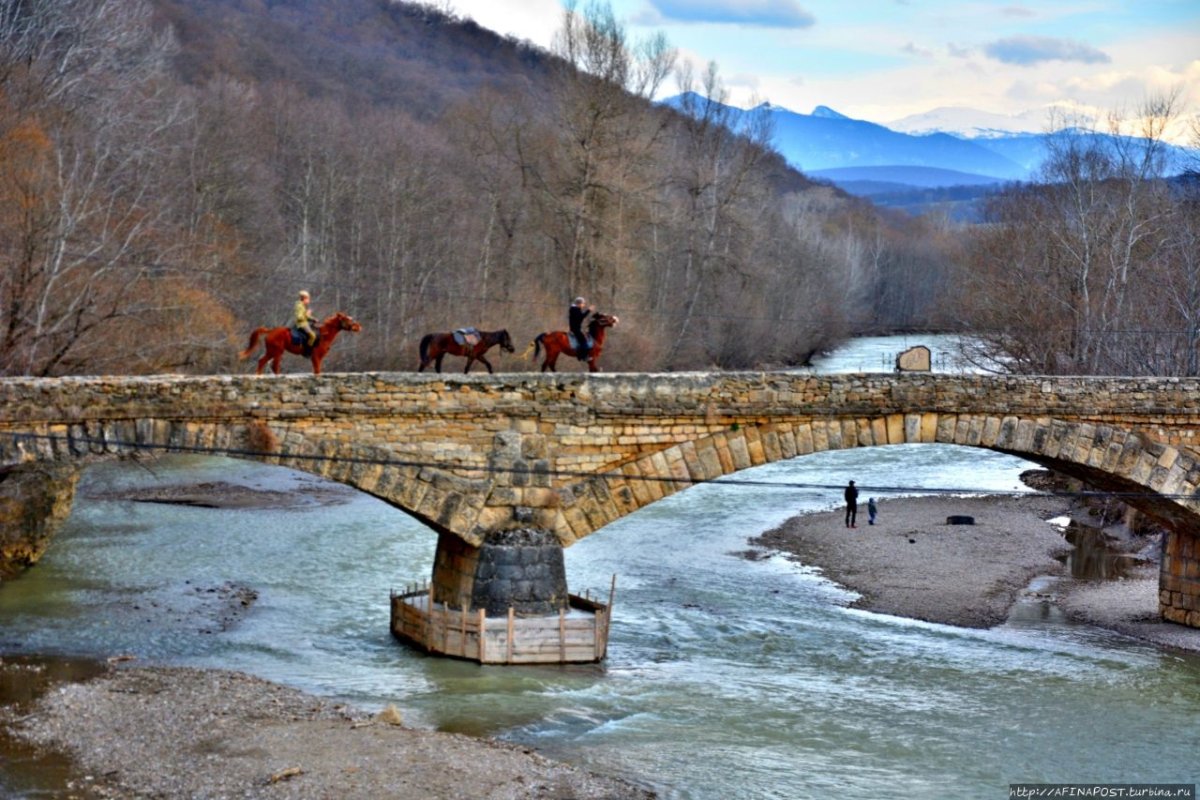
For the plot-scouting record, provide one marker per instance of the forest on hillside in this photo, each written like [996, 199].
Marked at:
[173, 172]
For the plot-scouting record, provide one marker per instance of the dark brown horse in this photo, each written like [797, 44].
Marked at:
[278, 340]
[559, 342]
[435, 347]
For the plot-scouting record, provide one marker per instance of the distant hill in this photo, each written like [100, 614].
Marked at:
[888, 177]
[364, 52]
[917, 190]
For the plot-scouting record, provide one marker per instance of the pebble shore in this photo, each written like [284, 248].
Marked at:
[145, 732]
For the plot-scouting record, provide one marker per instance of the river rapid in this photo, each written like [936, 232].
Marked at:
[726, 677]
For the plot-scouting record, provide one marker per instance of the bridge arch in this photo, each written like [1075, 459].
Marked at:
[1159, 480]
[438, 498]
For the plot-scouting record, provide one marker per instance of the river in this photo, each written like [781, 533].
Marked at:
[725, 678]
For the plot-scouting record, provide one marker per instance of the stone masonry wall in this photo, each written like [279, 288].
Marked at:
[1179, 580]
[35, 500]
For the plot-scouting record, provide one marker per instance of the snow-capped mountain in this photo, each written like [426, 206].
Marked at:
[971, 123]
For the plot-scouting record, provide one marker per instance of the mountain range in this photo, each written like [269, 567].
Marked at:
[868, 159]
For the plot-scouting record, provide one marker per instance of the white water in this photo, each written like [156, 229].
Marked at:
[726, 678]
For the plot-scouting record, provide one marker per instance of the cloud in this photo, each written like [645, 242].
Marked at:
[1018, 11]
[1027, 50]
[912, 50]
[957, 51]
[760, 13]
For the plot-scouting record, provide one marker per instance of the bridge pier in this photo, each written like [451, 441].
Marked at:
[521, 569]
[35, 500]
[502, 602]
[1179, 578]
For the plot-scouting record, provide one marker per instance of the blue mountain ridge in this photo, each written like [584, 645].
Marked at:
[840, 149]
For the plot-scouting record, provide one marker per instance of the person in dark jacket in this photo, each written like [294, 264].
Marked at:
[575, 317]
[851, 495]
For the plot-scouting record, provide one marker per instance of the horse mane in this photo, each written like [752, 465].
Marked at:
[594, 324]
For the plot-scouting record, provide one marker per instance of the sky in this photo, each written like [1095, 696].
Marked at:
[884, 60]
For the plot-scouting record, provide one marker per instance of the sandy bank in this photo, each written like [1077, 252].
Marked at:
[911, 563]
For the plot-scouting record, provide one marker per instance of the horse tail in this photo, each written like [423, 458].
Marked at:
[426, 340]
[250, 348]
[535, 346]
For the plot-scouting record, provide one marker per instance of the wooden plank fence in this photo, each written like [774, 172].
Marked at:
[568, 638]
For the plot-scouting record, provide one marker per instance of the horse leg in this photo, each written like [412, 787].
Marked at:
[487, 364]
[262, 362]
[424, 364]
[316, 362]
[470, 361]
[276, 362]
[438, 362]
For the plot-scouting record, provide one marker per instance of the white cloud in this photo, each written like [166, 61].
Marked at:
[532, 20]
[1028, 50]
[911, 49]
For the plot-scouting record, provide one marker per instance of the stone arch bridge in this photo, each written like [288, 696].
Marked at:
[567, 454]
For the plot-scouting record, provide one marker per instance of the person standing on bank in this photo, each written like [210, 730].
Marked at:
[851, 495]
[871, 510]
[575, 317]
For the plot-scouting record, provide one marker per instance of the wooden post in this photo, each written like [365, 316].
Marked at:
[512, 614]
[429, 621]
[597, 631]
[602, 651]
[445, 623]
[562, 634]
[462, 630]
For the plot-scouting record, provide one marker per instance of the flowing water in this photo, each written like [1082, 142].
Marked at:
[726, 677]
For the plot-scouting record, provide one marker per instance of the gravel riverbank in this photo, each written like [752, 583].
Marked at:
[138, 732]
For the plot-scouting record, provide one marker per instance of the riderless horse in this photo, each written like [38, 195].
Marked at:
[435, 347]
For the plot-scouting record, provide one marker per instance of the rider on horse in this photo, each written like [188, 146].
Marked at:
[302, 317]
[575, 317]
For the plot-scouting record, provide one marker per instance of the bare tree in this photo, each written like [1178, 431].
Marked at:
[607, 133]
[1088, 237]
[97, 222]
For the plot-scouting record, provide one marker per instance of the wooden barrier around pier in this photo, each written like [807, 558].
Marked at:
[577, 634]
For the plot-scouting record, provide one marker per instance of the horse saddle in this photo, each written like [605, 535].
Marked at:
[467, 337]
[591, 343]
[300, 339]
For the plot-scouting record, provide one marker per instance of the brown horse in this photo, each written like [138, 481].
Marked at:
[435, 347]
[558, 342]
[279, 339]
